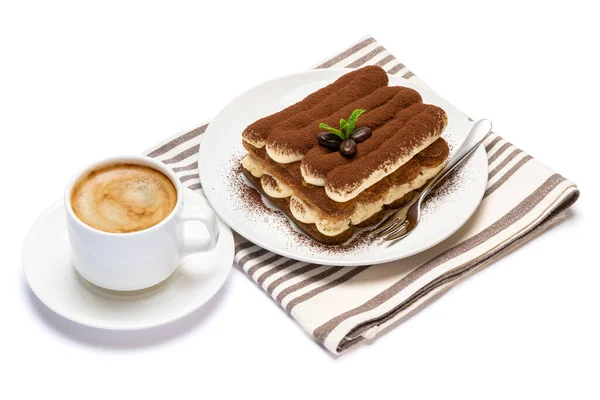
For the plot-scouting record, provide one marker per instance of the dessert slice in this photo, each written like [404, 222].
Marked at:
[331, 182]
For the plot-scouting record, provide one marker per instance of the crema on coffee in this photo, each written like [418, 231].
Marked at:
[122, 198]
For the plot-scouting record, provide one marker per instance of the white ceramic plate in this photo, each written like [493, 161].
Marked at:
[222, 149]
[49, 273]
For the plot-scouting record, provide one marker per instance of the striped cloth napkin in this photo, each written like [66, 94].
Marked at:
[342, 306]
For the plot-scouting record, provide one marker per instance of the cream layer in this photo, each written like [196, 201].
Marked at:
[307, 214]
[283, 156]
[346, 194]
[259, 144]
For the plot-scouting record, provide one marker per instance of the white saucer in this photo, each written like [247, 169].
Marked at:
[55, 282]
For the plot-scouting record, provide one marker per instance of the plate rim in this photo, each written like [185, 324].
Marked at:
[93, 322]
[341, 261]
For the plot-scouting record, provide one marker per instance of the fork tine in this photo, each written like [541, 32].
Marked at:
[389, 221]
[387, 229]
[399, 234]
[399, 230]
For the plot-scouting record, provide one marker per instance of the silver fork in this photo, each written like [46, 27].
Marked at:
[401, 224]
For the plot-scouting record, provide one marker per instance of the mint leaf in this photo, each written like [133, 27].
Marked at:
[353, 119]
[343, 124]
[332, 130]
[346, 127]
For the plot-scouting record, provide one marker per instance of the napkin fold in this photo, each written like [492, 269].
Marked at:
[342, 306]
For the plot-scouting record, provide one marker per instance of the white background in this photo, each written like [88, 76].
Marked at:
[80, 82]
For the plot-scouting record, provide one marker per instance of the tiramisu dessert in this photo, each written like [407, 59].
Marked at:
[346, 154]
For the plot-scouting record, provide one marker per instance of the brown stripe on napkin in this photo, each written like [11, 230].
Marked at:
[261, 264]
[396, 68]
[359, 62]
[290, 275]
[344, 278]
[183, 155]
[242, 246]
[278, 268]
[504, 163]
[345, 54]
[386, 60]
[499, 152]
[251, 256]
[178, 140]
[186, 178]
[190, 167]
[492, 144]
[506, 176]
[310, 280]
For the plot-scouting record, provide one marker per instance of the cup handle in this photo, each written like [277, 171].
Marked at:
[206, 216]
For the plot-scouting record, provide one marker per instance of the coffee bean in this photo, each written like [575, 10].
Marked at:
[348, 148]
[329, 140]
[361, 134]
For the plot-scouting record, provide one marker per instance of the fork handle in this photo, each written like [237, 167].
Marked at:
[478, 133]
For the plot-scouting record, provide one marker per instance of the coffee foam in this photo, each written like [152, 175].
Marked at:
[122, 198]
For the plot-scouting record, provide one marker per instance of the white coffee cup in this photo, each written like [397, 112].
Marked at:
[136, 260]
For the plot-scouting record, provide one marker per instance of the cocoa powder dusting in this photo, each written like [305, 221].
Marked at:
[251, 197]
[260, 130]
[251, 204]
[358, 241]
[385, 121]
